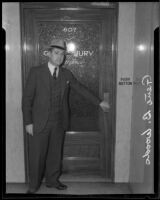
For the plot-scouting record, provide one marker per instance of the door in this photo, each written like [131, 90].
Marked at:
[90, 34]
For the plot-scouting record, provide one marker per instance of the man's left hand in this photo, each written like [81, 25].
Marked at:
[105, 106]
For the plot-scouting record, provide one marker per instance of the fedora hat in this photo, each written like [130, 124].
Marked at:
[57, 43]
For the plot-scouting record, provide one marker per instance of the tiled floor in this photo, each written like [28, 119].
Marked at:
[74, 188]
[78, 184]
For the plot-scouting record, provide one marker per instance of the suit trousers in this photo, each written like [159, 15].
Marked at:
[45, 154]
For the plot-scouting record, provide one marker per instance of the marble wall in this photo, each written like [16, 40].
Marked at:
[125, 61]
[14, 128]
[142, 130]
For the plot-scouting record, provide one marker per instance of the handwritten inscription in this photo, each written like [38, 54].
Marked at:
[148, 132]
[146, 81]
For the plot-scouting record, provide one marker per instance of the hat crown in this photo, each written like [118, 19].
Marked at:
[58, 43]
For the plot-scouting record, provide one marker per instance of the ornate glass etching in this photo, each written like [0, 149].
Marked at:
[83, 41]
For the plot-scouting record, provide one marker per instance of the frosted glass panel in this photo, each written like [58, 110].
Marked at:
[83, 42]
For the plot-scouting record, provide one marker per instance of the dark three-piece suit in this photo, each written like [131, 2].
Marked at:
[45, 105]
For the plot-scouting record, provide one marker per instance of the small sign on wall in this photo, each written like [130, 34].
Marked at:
[125, 81]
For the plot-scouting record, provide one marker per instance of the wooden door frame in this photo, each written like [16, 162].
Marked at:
[77, 6]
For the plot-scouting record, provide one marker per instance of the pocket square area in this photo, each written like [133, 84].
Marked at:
[68, 82]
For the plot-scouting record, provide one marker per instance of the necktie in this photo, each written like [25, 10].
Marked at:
[54, 74]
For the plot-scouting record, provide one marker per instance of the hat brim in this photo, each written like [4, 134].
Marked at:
[59, 47]
[54, 46]
[46, 51]
[48, 48]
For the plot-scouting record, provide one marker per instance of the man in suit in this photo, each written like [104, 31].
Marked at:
[46, 116]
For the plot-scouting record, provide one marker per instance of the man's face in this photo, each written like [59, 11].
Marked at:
[56, 56]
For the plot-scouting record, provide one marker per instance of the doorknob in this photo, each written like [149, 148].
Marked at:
[105, 103]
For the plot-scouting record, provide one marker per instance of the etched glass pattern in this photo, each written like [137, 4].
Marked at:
[83, 40]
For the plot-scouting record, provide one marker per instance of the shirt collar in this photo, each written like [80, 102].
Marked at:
[51, 66]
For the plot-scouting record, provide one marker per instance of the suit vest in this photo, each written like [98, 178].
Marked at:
[55, 113]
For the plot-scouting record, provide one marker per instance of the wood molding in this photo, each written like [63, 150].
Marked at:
[69, 5]
[111, 67]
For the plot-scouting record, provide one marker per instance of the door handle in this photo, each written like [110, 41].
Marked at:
[106, 99]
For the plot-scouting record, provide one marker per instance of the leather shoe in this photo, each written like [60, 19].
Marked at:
[59, 186]
[31, 191]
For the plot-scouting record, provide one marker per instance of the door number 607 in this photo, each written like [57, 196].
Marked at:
[69, 29]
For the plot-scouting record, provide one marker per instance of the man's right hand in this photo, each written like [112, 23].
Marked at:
[29, 129]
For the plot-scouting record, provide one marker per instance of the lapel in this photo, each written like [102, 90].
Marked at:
[46, 78]
[63, 81]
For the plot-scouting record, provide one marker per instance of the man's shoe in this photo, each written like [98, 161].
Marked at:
[32, 191]
[59, 186]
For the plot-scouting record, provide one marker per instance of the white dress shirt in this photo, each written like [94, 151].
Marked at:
[52, 68]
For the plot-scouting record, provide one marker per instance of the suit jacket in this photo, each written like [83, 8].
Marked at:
[36, 96]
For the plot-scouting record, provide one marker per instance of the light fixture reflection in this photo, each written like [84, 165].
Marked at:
[26, 47]
[7, 47]
[71, 47]
[142, 47]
